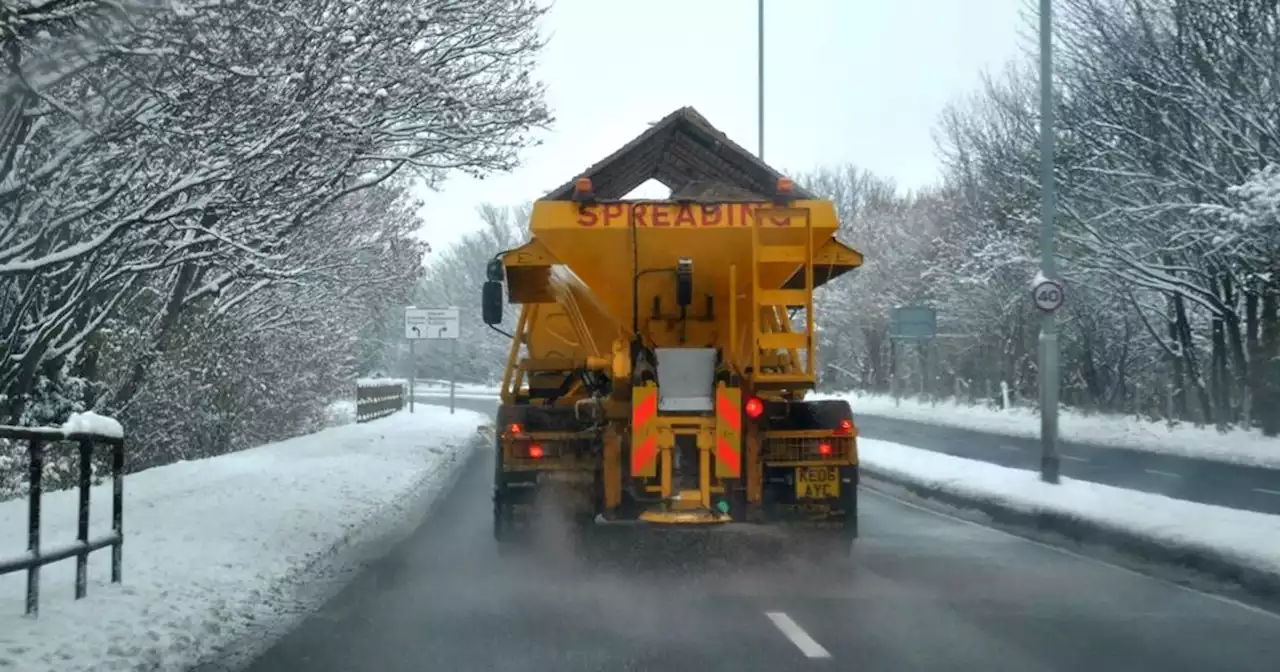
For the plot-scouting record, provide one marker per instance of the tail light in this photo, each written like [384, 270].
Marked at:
[845, 428]
[824, 449]
[754, 407]
[536, 452]
[515, 428]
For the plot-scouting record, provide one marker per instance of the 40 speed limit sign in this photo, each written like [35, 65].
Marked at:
[1048, 295]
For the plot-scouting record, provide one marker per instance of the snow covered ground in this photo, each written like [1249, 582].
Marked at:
[340, 413]
[216, 546]
[1236, 446]
[1242, 536]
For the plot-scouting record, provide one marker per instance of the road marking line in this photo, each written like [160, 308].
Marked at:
[1267, 492]
[1006, 446]
[797, 635]
[1079, 556]
[1157, 472]
[1073, 458]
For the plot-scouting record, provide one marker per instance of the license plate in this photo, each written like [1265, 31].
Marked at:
[817, 482]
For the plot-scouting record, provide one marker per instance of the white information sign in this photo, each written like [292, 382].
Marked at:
[432, 324]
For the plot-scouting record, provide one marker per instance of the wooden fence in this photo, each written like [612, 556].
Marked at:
[378, 398]
[39, 441]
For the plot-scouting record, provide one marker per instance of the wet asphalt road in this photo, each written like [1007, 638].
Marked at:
[922, 592]
[1235, 486]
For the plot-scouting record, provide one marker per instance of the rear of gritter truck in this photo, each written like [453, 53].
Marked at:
[663, 348]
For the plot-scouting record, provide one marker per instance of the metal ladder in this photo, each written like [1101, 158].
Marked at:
[770, 325]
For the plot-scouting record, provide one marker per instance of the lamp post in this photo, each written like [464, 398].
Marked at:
[1049, 370]
[760, 77]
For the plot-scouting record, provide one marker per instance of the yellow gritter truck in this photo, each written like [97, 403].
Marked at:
[663, 348]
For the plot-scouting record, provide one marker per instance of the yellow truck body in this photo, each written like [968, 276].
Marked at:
[657, 371]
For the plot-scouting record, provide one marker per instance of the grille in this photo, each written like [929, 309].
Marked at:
[796, 449]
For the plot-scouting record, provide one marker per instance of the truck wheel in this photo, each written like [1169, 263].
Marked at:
[504, 529]
[501, 519]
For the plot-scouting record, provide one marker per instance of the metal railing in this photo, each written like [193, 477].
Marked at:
[37, 439]
[378, 400]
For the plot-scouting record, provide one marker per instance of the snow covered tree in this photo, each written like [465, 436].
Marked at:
[229, 177]
[1166, 132]
[853, 312]
[454, 278]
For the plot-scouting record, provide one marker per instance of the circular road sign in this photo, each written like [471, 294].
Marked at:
[1048, 295]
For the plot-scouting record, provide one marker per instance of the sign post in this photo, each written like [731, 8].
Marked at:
[1048, 296]
[435, 324]
[1048, 374]
[911, 323]
[415, 323]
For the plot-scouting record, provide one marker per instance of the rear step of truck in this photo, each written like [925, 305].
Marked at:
[697, 516]
[685, 508]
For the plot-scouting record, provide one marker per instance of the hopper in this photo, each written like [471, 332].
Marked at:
[718, 188]
[605, 244]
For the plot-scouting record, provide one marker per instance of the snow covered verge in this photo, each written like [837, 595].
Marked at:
[341, 412]
[216, 547]
[1230, 543]
[1106, 431]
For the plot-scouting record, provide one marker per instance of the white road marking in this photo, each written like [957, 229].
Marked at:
[797, 635]
[1079, 556]
[1267, 492]
[1006, 446]
[1157, 472]
[1073, 458]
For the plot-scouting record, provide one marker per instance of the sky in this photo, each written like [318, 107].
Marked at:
[846, 81]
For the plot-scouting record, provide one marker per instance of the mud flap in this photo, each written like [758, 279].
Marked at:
[508, 529]
[509, 490]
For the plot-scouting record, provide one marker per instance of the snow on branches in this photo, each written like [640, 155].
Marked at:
[219, 176]
[454, 278]
[1167, 146]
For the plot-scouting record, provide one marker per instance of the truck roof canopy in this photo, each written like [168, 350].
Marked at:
[686, 154]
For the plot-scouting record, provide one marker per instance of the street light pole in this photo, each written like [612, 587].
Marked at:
[760, 75]
[1049, 371]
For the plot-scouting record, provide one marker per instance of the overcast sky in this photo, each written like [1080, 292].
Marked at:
[846, 81]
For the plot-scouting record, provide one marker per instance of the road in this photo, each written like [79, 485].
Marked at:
[923, 592]
[1236, 486]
